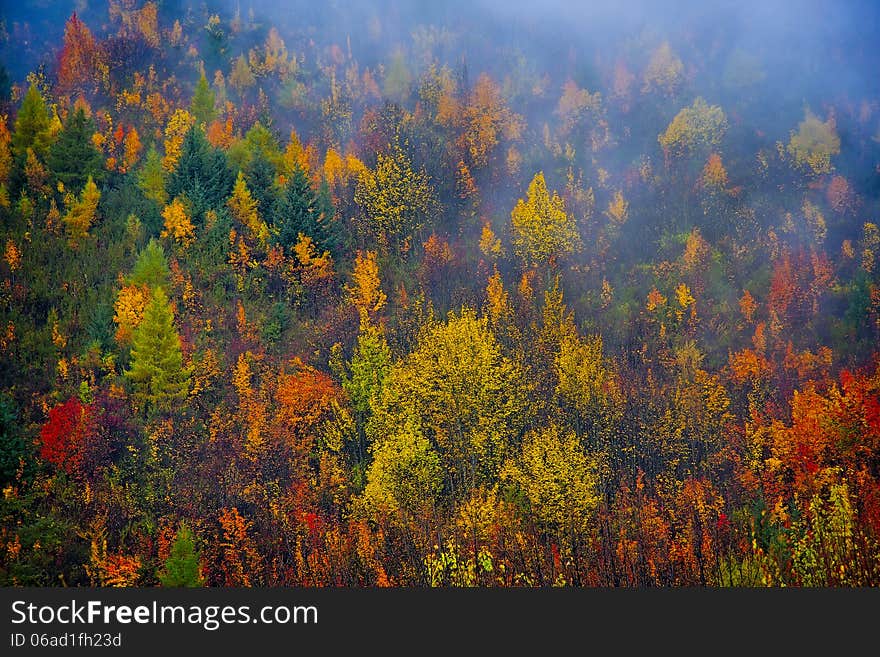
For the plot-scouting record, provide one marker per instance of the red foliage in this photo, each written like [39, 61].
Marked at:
[62, 438]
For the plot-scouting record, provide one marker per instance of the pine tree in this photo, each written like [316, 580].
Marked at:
[260, 176]
[157, 370]
[296, 212]
[73, 158]
[201, 174]
[202, 106]
[181, 568]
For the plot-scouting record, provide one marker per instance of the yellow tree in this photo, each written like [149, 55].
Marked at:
[542, 230]
[469, 400]
[396, 199]
[178, 225]
[814, 144]
[560, 481]
[699, 127]
[81, 213]
[243, 207]
[178, 125]
[664, 72]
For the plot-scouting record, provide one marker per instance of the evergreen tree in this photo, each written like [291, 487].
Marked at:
[157, 370]
[31, 126]
[201, 174]
[260, 176]
[181, 568]
[151, 268]
[73, 158]
[15, 454]
[296, 211]
[202, 106]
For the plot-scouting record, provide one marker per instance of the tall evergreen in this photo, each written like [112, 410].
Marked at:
[73, 157]
[298, 210]
[260, 176]
[202, 174]
[157, 371]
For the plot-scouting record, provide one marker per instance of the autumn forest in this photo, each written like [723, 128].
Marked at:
[471, 294]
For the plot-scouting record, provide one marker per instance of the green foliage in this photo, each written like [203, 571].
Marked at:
[16, 456]
[157, 372]
[202, 105]
[201, 175]
[73, 157]
[32, 125]
[181, 568]
[151, 179]
[151, 267]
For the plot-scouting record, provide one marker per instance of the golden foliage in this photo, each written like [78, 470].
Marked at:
[178, 225]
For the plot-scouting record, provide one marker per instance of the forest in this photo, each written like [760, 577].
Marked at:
[462, 294]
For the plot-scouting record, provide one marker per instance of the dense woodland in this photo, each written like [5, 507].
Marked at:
[366, 297]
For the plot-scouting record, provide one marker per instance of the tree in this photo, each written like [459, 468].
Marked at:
[151, 178]
[181, 568]
[664, 71]
[15, 453]
[201, 174]
[395, 199]
[814, 144]
[177, 224]
[62, 437]
[80, 58]
[176, 130]
[32, 126]
[81, 212]
[558, 479]
[151, 267]
[296, 211]
[470, 401]
[73, 157]
[157, 370]
[405, 474]
[542, 231]
[202, 105]
[698, 128]
[243, 207]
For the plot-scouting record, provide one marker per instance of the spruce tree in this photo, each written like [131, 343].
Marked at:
[260, 176]
[296, 212]
[157, 371]
[202, 174]
[73, 157]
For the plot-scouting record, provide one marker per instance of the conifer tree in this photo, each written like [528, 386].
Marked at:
[73, 157]
[202, 106]
[181, 568]
[157, 370]
[31, 126]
